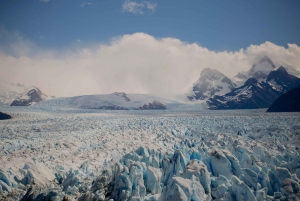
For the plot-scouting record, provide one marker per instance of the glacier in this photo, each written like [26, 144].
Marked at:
[81, 154]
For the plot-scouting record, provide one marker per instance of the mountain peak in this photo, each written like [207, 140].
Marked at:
[211, 74]
[208, 71]
[263, 60]
[34, 95]
[250, 81]
[211, 82]
[282, 70]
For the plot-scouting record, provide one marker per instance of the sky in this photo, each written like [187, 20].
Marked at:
[75, 47]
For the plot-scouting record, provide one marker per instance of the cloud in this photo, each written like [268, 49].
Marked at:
[85, 4]
[138, 8]
[150, 6]
[45, 1]
[134, 63]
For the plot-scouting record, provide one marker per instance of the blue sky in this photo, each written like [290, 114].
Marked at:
[216, 24]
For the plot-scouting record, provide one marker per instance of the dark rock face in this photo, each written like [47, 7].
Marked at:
[4, 116]
[288, 102]
[109, 107]
[155, 105]
[122, 94]
[34, 95]
[251, 95]
[282, 80]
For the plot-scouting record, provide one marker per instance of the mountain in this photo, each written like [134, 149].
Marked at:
[211, 82]
[253, 94]
[259, 70]
[10, 92]
[282, 80]
[31, 97]
[18, 94]
[117, 101]
[155, 105]
[287, 102]
[256, 94]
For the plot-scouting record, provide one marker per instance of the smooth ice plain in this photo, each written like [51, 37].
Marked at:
[77, 154]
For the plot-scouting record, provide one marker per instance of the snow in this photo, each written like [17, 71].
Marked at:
[10, 92]
[174, 102]
[210, 83]
[259, 71]
[264, 65]
[148, 155]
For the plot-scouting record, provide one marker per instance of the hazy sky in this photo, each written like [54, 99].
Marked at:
[72, 47]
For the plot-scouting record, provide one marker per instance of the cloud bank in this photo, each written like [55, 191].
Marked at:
[135, 63]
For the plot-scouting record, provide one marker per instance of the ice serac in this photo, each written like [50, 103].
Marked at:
[198, 169]
[211, 82]
[31, 97]
[154, 176]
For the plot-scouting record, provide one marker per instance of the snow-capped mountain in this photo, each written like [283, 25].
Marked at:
[17, 93]
[114, 101]
[282, 80]
[33, 96]
[211, 82]
[259, 70]
[251, 95]
[256, 94]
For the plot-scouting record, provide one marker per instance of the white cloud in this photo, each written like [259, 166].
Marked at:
[45, 1]
[138, 8]
[135, 63]
[150, 6]
[85, 4]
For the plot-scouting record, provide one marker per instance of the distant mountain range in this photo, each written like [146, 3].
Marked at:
[257, 88]
[118, 101]
[261, 86]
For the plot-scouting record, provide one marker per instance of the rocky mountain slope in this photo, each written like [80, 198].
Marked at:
[251, 95]
[254, 94]
[31, 97]
[20, 95]
[264, 83]
[282, 80]
[287, 102]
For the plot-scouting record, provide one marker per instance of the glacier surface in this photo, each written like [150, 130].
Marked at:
[80, 154]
